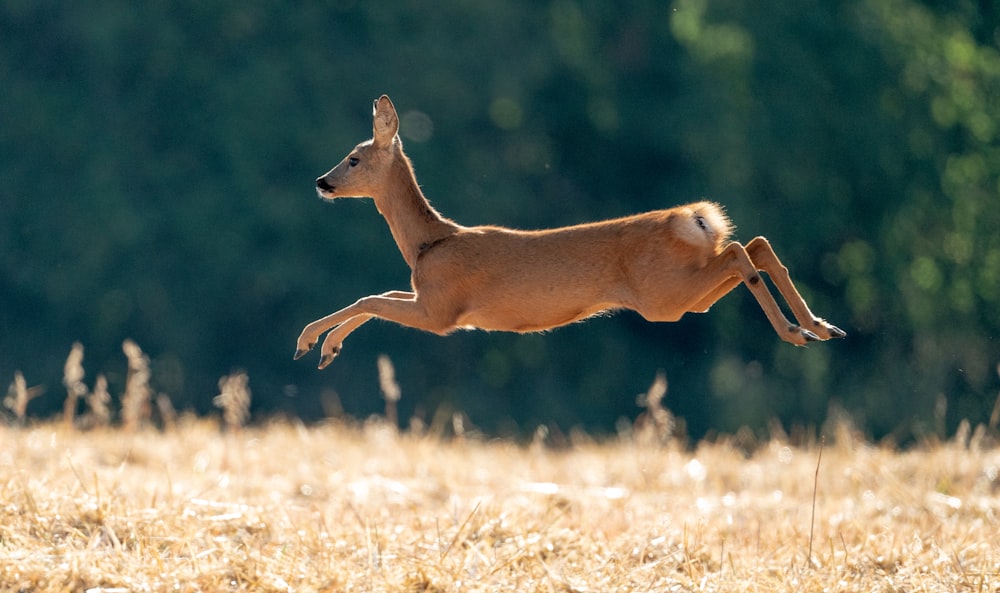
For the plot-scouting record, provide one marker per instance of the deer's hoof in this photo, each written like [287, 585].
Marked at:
[301, 348]
[809, 336]
[327, 358]
[826, 330]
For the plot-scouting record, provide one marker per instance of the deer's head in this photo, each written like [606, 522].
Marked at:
[365, 169]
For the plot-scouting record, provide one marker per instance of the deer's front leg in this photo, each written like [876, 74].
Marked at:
[335, 339]
[311, 333]
[408, 311]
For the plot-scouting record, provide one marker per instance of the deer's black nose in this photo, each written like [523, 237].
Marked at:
[323, 185]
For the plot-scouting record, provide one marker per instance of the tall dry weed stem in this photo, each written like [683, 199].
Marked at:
[656, 423]
[73, 381]
[19, 395]
[98, 403]
[391, 391]
[136, 400]
[995, 414]
[167, 411]
[234, 399]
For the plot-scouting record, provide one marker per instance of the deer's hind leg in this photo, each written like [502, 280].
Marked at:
[723, 273]
[739, 262]
[763, 257]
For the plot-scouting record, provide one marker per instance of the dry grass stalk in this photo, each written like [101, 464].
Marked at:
[98, 402]
[19, 395]
[135, 402]
[390, 389]
[812, 514]
[338, 508]
[234, 399]
[73, 381]
[656, 423]
[458, 427]
[995, 414]
[167, 411]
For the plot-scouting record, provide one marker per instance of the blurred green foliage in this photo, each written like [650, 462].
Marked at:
[158, 159]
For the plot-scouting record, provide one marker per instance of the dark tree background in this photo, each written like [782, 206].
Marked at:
[157, 163]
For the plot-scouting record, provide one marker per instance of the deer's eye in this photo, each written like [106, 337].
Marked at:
[353, 161]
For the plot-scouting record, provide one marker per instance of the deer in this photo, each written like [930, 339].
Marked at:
[660, 264]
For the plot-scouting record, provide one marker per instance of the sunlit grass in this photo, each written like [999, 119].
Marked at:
[203, 505]
[341, 507]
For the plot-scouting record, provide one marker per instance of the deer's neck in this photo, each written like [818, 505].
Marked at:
[414, 223]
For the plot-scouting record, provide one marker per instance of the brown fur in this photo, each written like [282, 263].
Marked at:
[661, 264]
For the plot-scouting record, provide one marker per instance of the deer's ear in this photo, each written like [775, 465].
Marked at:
[385, 123]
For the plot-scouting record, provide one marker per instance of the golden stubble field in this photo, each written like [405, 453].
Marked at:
[348, 507]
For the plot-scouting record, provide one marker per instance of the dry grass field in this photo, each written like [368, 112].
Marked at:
[340, 507]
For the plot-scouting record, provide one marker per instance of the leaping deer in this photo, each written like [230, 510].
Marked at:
[661, 264]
